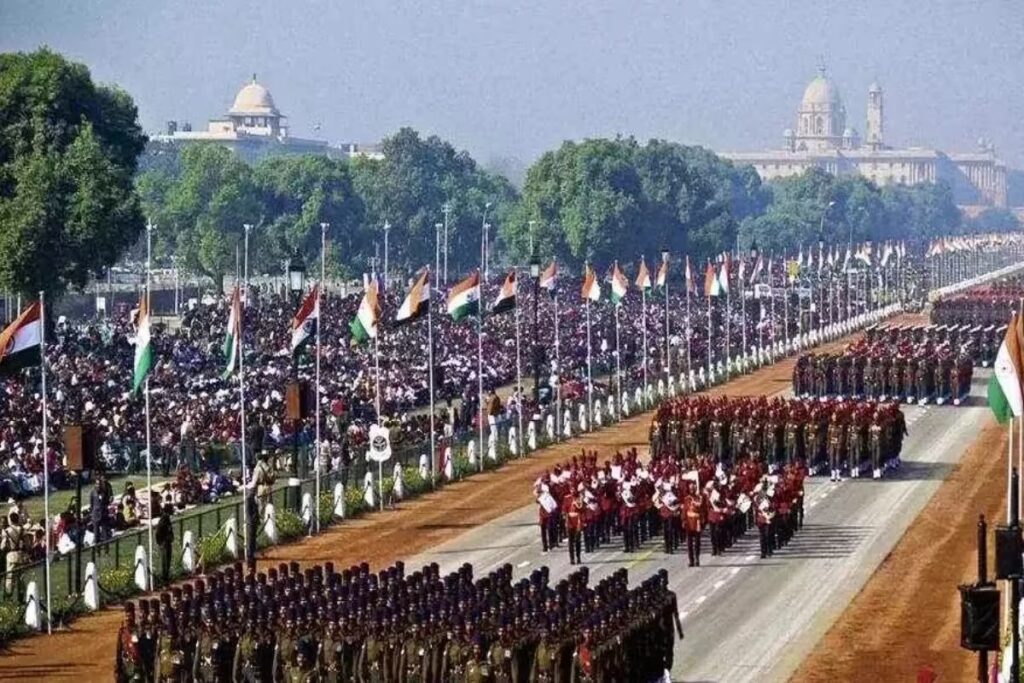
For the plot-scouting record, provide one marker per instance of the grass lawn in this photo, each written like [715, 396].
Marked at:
[59, 500]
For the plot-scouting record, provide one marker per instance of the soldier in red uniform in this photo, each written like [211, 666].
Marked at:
[574, 513]
[129, 663]
[693, 524]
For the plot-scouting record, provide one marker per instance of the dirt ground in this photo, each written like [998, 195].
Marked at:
[908, 614]
[85, 652]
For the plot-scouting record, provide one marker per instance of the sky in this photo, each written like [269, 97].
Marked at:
[510, 80]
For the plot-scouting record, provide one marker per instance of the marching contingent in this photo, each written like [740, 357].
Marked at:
[724, 464]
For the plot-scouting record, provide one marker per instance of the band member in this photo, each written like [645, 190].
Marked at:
[574, 521]
[693, 523]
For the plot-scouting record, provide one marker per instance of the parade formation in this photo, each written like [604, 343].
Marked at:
[318, 624]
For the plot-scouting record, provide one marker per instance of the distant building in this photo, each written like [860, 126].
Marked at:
[822, 139]
[255, 128]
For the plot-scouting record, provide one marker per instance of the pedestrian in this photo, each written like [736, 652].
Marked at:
[164, 536]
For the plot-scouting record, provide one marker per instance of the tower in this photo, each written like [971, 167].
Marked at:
[874, 129]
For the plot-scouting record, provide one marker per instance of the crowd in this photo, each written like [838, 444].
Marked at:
[286, 624]
[920, 363]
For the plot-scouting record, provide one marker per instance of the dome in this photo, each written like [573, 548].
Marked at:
[821, 92]
[254, 99]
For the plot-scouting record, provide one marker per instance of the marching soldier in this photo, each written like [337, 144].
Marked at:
[129, 666]
[693, 514]
[575, 511]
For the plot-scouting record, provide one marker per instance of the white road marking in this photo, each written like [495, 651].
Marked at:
[700, 600]
[718, 584]
[683, 615]
[734, 571]
[523, 564]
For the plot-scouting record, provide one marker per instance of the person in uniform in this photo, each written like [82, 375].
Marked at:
[574, 513]
[14, 542]
[693, 523]
[128, 663]
[170, 658]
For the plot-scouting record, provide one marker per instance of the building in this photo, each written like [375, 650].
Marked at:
[823, 138]
[255, 128]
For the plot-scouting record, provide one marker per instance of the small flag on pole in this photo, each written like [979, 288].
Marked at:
[464, 299]
[1004, 386]
[723, 275]
[549, 277]
[364, 325]
[416, 301]
[591, 288]
[620, 285]
[143, 347]
[643, 278]
[711, 284]
[233, 337]
[506, 300]
[307, 316]
[662, 275]
[689, 277]
[20, 341]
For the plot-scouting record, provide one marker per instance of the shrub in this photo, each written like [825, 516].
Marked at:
[326, 508]
[12, 622]
[64, 609]
[289, 525]
[354, 503]
[211, 551]
[118, 583]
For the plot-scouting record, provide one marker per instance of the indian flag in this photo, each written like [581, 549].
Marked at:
[591, 288]
[549, 277]
[143, 347]
[711, 285]
[364, 325]
[506, 300]
[464, 299]
[1004, 387]
[233, 338]
[620, 285]
[723, 275]
[305, 318]
[643, 277]
[690, 288]
[417, 302]
[662, 275]
[21, 341]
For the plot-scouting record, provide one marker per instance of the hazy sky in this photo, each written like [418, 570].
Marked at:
[516, 78]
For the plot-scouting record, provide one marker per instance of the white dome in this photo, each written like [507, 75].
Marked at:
[821, 92]
[254, 99]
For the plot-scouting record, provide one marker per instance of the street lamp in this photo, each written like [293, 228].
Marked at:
[296, 274]
[535, 274]
[387, 227]
[437, 249]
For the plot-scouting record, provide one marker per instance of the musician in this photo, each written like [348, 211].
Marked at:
[693, 524]
[668, 510]
[575, 510]
[764, 516]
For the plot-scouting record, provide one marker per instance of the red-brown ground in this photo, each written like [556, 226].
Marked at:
[86, 651]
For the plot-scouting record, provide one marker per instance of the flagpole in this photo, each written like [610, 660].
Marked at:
[689, 320]
[480, 365]
[643, 321]
[743, 310]
[316, 393]
[519, 376]
[668, 348]
[728, 318]
[558, 369]
[149, 444]
[241, 399]
[46, 458]
[710, 371]
[618, 356]
[590, 376]
[771, 291]
[430, 375]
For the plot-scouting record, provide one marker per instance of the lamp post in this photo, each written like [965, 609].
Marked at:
[446, 208]
[535, 349]
[296, 282]
[437, 248]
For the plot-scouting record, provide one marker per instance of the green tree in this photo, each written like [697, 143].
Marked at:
[994, 220]
[68, 151]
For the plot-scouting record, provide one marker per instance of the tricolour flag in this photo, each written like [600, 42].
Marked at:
[689, 277]
[723, 275]
[711, 284]
[643, 277]
[417, 301]
[591, 288]
[21, 341]
[307, 316]
[464, 299]
[662, 278]
[233, 337]
[506, 300]
[620, 285]
[143, 347]
[1004, 386]
[549, 277]
[364, 325]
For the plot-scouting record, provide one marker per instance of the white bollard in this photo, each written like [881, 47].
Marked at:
[549, 426]
[33, 617]
[492, 444]
[141, 569]
[424, 467]
[188, 553]
[270, 523]
[513, 440]
[567, 424]
[307, 508]
[369, 492]
[231, 536]
[91, 589]
[449, 464]
[531, 433]
[471, 451]
[339, 501]
[597, 413]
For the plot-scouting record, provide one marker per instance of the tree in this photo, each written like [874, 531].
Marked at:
[408, 187]
[68, 151]
[995, 220]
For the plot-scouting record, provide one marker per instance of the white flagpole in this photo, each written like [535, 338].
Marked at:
[643, 322]
[689, 328]
[316, 391]
[743, 312]
[710, 365]
[618, 358]
[519, 375]
[430, 375]
[668, 348]
[241, 399]
[46, 459]
[558, 369]
[149, 443]
[482, 414]
[590, 376]
[728, 317]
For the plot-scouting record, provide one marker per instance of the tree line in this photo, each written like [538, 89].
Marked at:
[78, 183]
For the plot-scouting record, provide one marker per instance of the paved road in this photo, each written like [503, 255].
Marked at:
[748, 619]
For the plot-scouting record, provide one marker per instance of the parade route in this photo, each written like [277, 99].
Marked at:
[748, 619]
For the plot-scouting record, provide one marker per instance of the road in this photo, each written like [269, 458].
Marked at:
[748, 619]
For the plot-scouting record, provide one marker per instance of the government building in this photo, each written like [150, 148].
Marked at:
[255, 128]
[822, 138]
